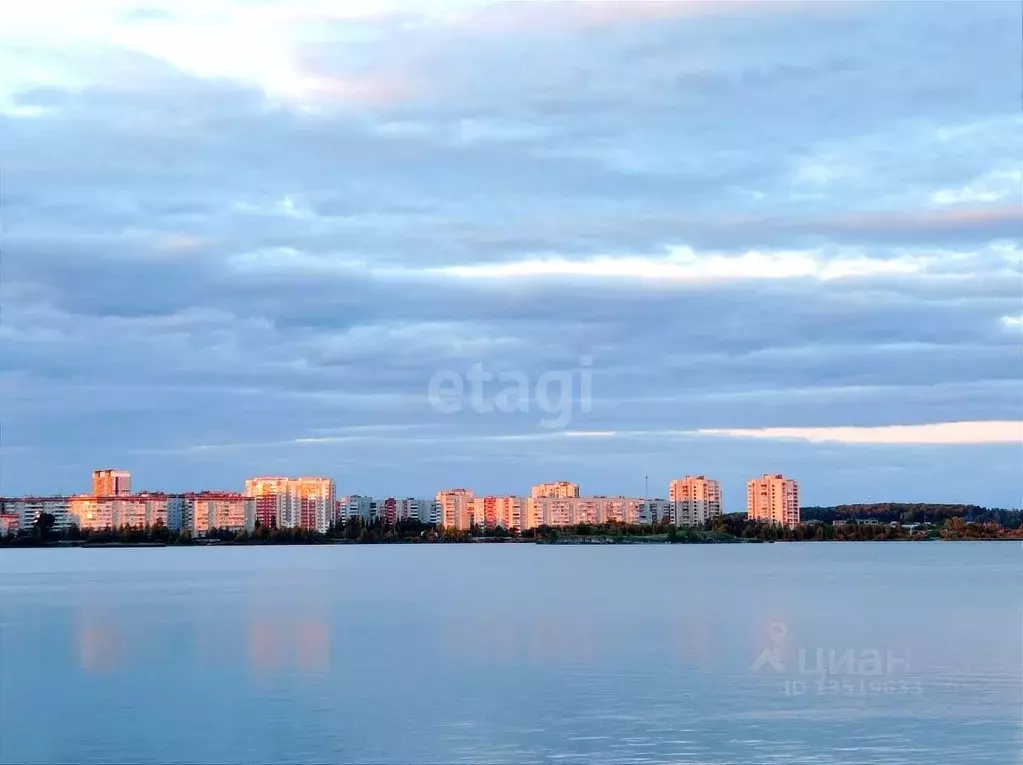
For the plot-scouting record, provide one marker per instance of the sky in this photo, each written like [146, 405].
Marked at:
[416, 246]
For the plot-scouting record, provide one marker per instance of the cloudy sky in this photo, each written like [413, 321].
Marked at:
[241, 237]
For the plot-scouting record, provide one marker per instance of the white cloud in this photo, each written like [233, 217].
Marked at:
[683, 264]
[992, 432]
[993, 187]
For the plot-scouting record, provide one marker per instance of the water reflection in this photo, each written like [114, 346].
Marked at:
[100, 647]
[283, 643]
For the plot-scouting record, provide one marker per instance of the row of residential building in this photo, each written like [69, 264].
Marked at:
[312, 503]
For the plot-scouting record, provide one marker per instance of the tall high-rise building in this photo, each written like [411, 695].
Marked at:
[455, 508]
[111, 483]
[694, 499]
[307, 503]
[773, 498]
[555, 490]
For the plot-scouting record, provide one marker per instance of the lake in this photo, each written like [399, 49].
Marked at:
[795, 653]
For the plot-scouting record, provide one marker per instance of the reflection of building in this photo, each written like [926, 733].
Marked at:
[303, 644]
[773, 498]
[99, 645]
[556, 489]
[695, 500]
[307, 503]
[27, 509]
[111, 483]
[455, 508]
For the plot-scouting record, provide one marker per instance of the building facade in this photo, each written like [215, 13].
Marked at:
[227, 510]
[10, 523]
[774, 499]
[571, 511]
[694, 500]
[394, 509]
[555, 489]
[355, 506]
[95, 513]
[28, 509]
[287, 503]
[455, 508]
[111, 483]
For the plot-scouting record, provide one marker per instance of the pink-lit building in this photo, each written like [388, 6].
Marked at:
[10, 523]
[570, 511]
[111, 483]
[694, 500]
[307, 503]
[112, 512]
[555, 490]
[455, 508]
[210, 510]
[773, 498]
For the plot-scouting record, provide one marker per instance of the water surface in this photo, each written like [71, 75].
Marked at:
[513, 654]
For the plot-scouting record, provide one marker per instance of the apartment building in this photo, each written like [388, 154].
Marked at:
[395, 509]
[307, 502]
[773, 498]
[10, 523]
[492, 511]
[27, 509]
[95, 513]
[570, 511]
[555, 490]
[455, 508]
[111, 483]
[210, 510]
[694, 500]
[355, 506]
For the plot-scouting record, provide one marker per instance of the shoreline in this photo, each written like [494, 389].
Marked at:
[570, 541]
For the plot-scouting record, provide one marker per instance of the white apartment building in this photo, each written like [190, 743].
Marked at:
[29, 508]
[355, 506]
[694, 500]
[773, 498]
[570, 511]
[555, 489]
[455, 508]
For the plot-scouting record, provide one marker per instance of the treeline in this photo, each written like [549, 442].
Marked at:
[734, 527]
[886, 512]
[355, 530]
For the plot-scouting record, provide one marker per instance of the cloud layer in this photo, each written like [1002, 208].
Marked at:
[242, 237]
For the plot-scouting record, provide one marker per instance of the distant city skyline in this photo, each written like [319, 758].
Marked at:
[415, 245]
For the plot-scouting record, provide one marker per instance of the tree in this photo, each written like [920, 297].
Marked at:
[44, 525]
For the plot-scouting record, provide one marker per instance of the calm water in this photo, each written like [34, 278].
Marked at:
[511, 654]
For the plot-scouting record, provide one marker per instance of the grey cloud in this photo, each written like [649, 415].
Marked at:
[190, 264]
